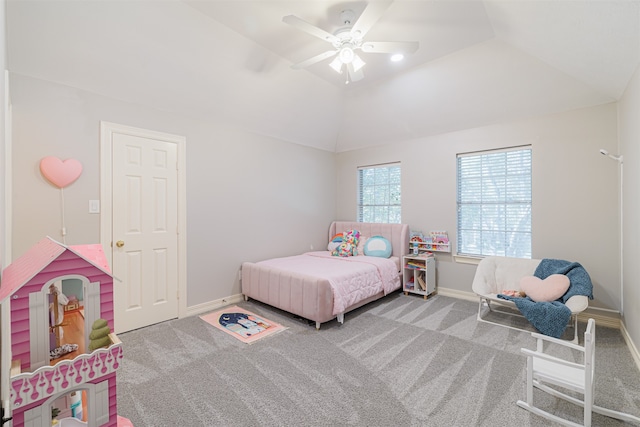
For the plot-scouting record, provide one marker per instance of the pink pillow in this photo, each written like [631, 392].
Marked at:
[361, 243]
[549, 289]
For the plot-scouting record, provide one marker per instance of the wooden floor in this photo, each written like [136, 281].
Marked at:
[73, 333]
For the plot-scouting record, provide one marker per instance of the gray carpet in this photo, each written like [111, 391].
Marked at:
[400, 361]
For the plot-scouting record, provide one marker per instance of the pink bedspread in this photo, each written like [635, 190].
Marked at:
[352, 279]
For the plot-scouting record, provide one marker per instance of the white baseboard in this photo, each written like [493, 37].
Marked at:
[607, 318]
[454, 293]
[632, 347]
[213, 305]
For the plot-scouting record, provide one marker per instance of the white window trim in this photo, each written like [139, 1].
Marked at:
[359, 186]
[466, 258]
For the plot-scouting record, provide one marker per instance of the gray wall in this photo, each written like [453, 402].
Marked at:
[575, 200]
[630, 147]
[249, 197]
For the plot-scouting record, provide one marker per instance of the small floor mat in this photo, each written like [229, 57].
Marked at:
[242, 324]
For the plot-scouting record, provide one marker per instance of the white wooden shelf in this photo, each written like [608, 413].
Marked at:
[432, 247]
[419, 275]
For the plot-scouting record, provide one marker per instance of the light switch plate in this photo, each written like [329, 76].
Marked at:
[94, 206]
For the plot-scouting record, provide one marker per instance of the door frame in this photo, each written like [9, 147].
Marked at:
[107, 130]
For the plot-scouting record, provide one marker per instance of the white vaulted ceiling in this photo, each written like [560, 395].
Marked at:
[479, 62]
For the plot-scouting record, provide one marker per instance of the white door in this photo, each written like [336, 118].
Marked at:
[145, 230]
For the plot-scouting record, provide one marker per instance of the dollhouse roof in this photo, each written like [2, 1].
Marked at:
[41, 255]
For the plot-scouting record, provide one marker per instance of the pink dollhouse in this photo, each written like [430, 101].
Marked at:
[45, 389]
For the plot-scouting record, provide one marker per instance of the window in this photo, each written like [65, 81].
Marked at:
[494, 203]
[379, 194]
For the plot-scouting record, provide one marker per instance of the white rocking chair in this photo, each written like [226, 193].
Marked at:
[543, 369]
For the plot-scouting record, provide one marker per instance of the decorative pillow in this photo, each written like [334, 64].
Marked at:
[335, 242]
[345, 249]
[549, 289]
[338, 238]
[333, 245]
[361, 243]
[349, 245]
[351, 236]
[378, 246]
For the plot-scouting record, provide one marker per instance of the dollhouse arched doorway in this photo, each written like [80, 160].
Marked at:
[83, 406]
[48, 310]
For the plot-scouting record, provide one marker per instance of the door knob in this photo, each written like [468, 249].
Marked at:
[119, 243]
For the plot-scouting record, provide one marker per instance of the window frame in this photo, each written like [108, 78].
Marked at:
[509, 209]
[361, 205]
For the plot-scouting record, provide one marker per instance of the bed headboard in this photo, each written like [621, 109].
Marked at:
[398, 234]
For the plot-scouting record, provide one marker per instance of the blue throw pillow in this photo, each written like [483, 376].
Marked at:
[378, 246]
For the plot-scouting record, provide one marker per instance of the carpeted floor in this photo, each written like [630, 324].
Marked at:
[400, 361]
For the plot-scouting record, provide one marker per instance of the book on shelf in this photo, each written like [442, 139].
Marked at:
[424, 254]
[416, 236]
[415, 264]
[415, 241]
[439, 237]
[421, 281]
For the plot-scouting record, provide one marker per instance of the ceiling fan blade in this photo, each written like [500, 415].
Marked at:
[303, 25]
[314, 59]
[370, 16]
[354, 75]
[390, 47]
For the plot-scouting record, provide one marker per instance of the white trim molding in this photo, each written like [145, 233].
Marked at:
[205, 307]
[632, 347]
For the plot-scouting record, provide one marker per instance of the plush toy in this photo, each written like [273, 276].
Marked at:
[514, 293]
[335, 242]
[349, 245]
[99, 336]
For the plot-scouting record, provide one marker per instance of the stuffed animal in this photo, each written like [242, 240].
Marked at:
[99, 336]
[349, 245]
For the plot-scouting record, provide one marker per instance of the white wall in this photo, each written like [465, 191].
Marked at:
[249, 197]
[3, 95]
[168, 55]
[629, 111]
[5, 353]
[575, 201]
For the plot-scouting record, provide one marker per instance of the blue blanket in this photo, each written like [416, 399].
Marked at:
[551, 318]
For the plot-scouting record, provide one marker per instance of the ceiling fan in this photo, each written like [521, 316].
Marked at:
[347, 40]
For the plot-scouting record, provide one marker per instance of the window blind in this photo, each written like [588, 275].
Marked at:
[494, 203]
[379, 194]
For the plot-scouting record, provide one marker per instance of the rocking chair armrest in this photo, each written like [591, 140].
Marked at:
[577, 303]
[547, 357]
[557, 341]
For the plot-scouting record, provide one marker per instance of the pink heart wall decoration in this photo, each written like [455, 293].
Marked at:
[60, 173]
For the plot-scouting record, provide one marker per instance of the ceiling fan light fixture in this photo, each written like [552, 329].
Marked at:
[357, 63]
[346, 55]
[397, 57]
[336, 64]
[348, 39]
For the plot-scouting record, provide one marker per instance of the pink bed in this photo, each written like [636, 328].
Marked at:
[319, 287]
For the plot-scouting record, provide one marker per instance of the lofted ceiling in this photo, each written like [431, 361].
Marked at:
[479, 62]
